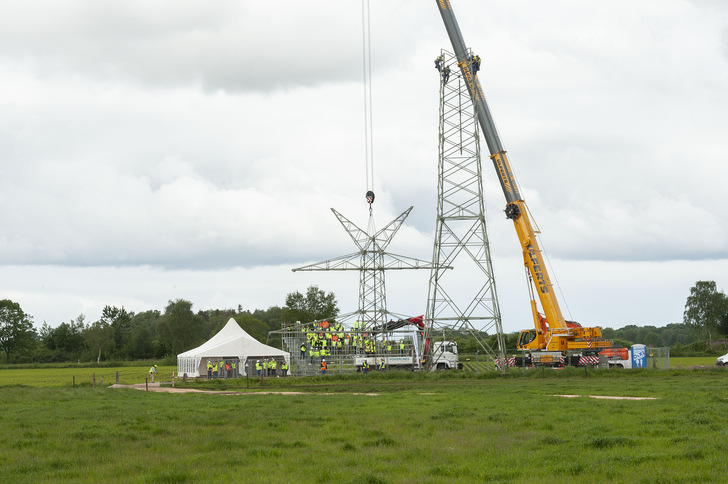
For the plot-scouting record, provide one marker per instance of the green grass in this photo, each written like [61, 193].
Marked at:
[424, 428]
[64, 377]
[689, 361]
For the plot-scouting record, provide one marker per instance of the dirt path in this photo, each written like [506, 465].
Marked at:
[605, 397]
[156, 387]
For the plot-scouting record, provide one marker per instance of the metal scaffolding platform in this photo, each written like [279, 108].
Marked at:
[344, 343]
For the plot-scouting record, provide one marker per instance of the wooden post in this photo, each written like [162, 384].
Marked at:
[93, 379]
[146, 384]
[117, 376]
[74, 382]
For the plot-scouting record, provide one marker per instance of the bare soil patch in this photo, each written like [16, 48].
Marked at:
[606, 397]
[156, 387]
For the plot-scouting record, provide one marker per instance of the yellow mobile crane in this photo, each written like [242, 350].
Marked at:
[552, 337]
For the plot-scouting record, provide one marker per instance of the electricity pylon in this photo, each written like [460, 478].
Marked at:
[371, 261]
[461, 239]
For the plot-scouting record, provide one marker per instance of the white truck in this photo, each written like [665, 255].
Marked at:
[444, 357]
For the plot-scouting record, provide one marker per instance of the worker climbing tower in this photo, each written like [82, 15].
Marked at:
[462, 301]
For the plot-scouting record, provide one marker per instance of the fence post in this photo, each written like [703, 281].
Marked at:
[93, 378]
[117, 376]
[74, 382]
[146, 384]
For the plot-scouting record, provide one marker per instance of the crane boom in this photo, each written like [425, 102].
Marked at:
[516, 208]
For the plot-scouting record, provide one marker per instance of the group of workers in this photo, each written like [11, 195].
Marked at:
[445, 70]
[222, 369]
[230, 368]
[327, 339]
[270, 367]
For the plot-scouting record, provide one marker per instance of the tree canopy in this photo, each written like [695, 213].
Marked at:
[705, 309]
[312, 306]
[16, 328]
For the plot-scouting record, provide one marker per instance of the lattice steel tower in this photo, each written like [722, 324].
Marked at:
[371, 261]
[462, 300]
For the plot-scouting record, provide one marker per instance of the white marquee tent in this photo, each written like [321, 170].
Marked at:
[231, 342]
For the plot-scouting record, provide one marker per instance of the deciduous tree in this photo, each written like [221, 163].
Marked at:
[179, 328]
[99, 336]
[16, 328]
[316, 304]
[705, 308]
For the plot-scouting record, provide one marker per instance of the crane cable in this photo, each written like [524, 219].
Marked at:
[368, 138]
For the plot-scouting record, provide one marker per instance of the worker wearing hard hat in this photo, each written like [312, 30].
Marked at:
[323, 366]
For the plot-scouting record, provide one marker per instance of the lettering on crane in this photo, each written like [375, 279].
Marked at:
[500, 166]
[540, 280]
[475, 89]
[445, 4]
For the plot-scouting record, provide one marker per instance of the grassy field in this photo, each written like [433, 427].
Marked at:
[64, 377]
[377, 428]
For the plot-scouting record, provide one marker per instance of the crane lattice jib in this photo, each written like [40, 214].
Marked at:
[516, 209]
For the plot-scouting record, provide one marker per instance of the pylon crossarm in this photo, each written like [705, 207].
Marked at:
[359, 236]
[403, 262]
[385, 235]
[344, 263]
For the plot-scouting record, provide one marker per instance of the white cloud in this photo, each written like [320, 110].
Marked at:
[161, 142]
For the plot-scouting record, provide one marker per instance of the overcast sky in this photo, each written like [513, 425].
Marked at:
[151, 151]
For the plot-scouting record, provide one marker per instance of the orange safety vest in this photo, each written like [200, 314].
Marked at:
[323, 365]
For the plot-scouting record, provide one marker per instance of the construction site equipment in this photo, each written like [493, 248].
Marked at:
[443, 355]
[552, 337]
[347, 344]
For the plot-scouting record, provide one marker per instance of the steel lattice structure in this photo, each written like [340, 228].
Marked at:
[461, 239]
[371, 261]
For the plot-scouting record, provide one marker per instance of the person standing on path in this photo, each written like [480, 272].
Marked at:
[152, 372]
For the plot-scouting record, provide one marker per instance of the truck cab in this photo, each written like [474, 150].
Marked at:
[445, 356]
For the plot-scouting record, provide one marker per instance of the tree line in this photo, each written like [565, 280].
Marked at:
[122, 335]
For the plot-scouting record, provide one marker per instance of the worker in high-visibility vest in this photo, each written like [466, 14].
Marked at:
[382, 366]
[209, 369]
[214, 369]
[323, 367]
[284, 368]
[365, 366]
[152, 372]
[258, 367]
[272, 367]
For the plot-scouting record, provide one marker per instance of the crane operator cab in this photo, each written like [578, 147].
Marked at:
[528, 339]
